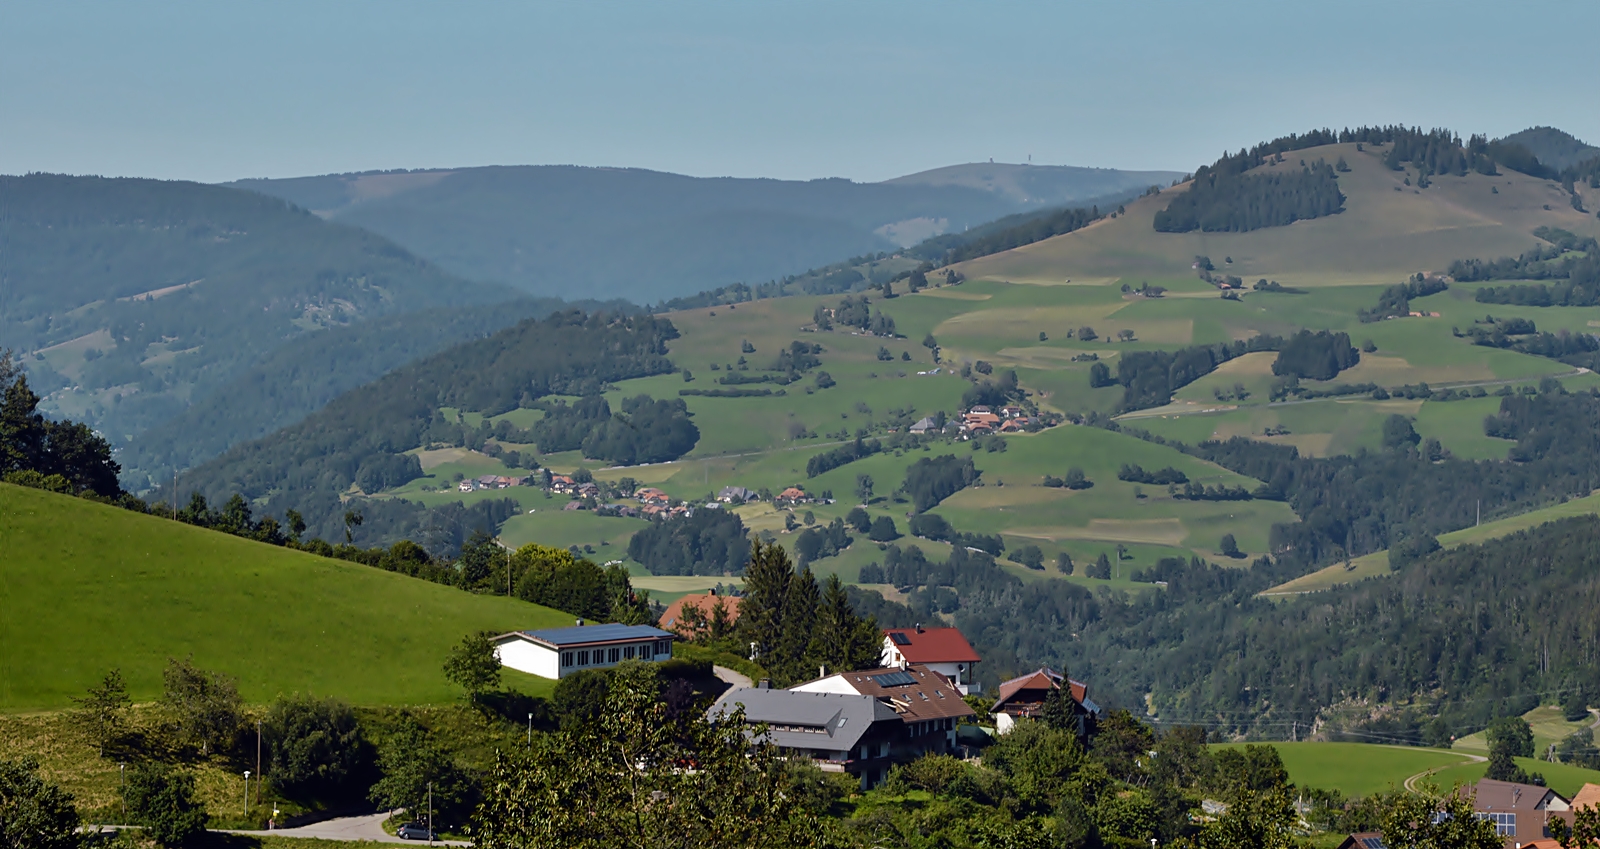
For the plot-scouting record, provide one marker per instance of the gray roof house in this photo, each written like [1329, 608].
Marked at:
[731, 493]
[842, 733]
[926, 425]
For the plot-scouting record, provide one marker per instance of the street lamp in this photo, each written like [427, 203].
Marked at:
[247, 792]
[122, 795]
[430, 813]
[530, 730]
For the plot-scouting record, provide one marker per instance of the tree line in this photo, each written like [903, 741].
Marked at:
[1224, 200]
[1395, 301]
[1148, 378]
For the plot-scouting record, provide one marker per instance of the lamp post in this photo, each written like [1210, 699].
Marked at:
[530, 730]
[247, 792]
[122, 796]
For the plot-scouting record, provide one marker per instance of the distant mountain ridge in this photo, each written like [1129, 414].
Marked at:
[1553, 147]
[648, 235]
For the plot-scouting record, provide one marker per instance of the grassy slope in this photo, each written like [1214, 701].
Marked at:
[1357, 769]
[1382, 236]
[1376, 564]
[1562, 778]
[103, 588]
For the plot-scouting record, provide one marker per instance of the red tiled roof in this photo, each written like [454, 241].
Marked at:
[1043, 679]
[1589, 796]
[672, 616]
[933, 645]
[924, 695]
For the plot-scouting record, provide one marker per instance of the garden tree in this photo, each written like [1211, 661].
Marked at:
[766, 589]
[842, 640]
[410, 763]
[1260, 819]
[1064, 563]
[162, 799]
[1101, 568]
[102, 713]
[204, 707]
[473, 666]
[315, 747]
[864, 488]
[858, 519]
[34, 814]
[555, 577]
[1511, 733]
[1428, 820]
[581, 696]
[620, 781]
[932, 480]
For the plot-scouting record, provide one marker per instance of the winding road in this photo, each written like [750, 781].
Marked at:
[1411, 783]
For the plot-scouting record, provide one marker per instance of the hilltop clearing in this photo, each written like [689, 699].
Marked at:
[1389, 228]
[106, 588]
[648, 236]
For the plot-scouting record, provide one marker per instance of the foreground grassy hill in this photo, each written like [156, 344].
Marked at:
[89, 587]
[1388, 230]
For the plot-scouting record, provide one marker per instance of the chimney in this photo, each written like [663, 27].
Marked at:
[580, 623]
[919, 627]
[764, 684]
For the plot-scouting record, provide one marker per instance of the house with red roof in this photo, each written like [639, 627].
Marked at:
[943, 650]
[1024, 696]
[709, 605]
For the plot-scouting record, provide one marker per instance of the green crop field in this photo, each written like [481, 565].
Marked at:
[1376, 564]
[105, 588]
[1358, 769]
[1562, 778]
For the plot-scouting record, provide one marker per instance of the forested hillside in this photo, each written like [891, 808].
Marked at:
[650, 236]
[361, 435]
[298, 379]
[132, 298]
[1555, 148]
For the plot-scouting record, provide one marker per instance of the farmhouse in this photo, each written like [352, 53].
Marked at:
[791, 496]
[705, 607]
[943, 650]
[842, 732]
[1521, 813]
[559, 652]
[561, 483]
[1023, 697]
[925, 425]
[651, 496]
[924, 700]
[730, 494]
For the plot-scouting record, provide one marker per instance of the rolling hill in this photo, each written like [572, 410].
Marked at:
[1553, 147]
[650, 236]
[1387, 231]
[130, 299]
[102, 588]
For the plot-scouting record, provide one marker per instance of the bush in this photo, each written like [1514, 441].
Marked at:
[883, 530]
[316, 749]
[580, 697]
[162, 800]
[34, 813]
[1029, 556]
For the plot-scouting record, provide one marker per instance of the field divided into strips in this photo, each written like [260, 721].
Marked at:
[106, 588]
[1357, 769]
[1376, 564]
[1386, 232]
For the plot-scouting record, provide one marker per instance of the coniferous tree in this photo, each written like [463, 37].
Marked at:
[766, 591]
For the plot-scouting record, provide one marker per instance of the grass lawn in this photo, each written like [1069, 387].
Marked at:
[104, 588]
[1357, 769]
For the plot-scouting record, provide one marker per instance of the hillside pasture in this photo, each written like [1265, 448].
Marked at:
[105, 588]
[1357, 769]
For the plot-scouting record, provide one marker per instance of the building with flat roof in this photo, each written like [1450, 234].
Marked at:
[559, 652]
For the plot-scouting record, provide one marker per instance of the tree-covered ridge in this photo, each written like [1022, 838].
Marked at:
[189, 285]
[302, 466]
[1013, 231]
[1223, 201]
[299, 378]
[644, 431]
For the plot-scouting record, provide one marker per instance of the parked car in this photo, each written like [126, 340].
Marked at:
[415, 831]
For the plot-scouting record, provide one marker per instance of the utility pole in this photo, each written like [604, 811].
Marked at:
[121, 794]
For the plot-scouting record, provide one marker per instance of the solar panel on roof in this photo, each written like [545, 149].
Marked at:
[1372, 843]
[900, 639]
[898, 678]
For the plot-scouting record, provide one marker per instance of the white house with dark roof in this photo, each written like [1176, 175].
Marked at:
[559, 652]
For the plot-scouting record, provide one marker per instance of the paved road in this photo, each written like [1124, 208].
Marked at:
[738, 681]
[369, 827]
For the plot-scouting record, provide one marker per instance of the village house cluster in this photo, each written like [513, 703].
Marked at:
[979, 421]
[492, 482]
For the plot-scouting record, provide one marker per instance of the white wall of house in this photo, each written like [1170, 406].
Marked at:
[530, 657]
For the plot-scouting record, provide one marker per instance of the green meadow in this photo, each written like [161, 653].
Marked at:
[1358, 769]
[105, 588]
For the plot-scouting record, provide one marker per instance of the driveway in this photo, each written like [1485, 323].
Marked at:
[739, 682]
[369, 827]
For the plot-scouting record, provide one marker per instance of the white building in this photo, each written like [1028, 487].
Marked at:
[559, 652]
[943, 650]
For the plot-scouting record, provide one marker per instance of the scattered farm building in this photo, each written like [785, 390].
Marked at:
[1521, 813]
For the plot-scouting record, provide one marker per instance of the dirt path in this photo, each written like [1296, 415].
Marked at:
[1411, 783]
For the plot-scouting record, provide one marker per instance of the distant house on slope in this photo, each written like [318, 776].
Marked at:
[925, 425]
[792, 496]
[943, 650]
[927, 704]
[730, 494]
[1364, 840]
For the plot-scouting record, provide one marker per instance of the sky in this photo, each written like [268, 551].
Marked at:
[866, 90]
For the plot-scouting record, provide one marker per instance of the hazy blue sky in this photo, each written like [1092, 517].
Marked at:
[866, 90]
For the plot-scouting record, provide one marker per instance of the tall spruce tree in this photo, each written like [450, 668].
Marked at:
[792, 661]
[766, 590]
[842, 640]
